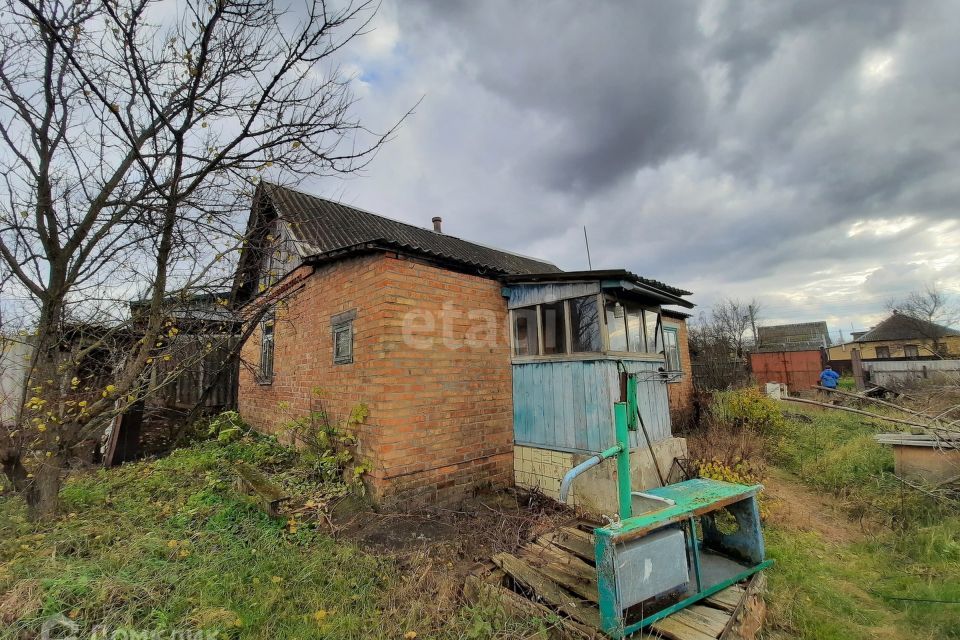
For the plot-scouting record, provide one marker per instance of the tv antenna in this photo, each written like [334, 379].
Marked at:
[586, 241]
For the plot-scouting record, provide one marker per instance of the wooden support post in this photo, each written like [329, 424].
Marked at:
[857, 369]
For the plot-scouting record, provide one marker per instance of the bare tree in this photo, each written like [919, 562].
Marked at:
[732, 321]
[718, 340]
[933, 314]
[131, 140]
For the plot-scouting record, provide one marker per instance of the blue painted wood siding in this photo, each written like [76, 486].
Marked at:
[568, 405]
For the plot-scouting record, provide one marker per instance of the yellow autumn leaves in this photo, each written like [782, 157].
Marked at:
[181, 547]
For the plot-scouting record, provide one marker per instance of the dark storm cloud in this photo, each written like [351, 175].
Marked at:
[620, 82]
[741, 148]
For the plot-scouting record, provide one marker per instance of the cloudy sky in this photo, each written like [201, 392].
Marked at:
[802, 153]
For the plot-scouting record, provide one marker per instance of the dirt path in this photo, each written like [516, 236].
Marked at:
[795, 506]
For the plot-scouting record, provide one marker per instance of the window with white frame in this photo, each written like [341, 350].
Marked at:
[526, 332]
[671, 348]
[553, 322]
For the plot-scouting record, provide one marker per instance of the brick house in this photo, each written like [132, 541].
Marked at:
[428, 331]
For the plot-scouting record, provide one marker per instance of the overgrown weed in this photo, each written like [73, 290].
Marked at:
[170, 545]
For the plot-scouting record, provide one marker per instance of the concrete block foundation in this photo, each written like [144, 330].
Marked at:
[596, 490]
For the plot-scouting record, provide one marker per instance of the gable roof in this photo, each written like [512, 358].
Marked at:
[325, 229]
[902, 326]
[800, 336]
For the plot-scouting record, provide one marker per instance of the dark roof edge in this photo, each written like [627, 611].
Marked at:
[374, 246]
[668, 294]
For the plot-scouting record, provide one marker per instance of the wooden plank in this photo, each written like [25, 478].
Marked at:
[568, 571]
[572, 541]
[672, 628]
[747, 620]
[477, 589]
[269, 493]
[547, 590]
[728, 599]
[695, 617]
[710, 615]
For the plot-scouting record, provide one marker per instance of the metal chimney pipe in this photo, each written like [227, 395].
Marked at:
[436, 224]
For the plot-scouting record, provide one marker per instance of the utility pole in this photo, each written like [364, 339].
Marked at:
[753, 323]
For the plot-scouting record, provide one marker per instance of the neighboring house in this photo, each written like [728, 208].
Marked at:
[791, 354]
[479, 367]
[901, 336]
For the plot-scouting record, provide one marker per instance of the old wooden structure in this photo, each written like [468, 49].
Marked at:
[573, 334]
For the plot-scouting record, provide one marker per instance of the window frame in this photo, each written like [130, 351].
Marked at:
[916, 351]
[601, 301]
[268, 348]
[675, 331]
[885, 351]
[339, 323]
[541, 332]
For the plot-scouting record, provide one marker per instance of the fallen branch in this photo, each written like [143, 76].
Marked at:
[861, 412]
[877, 400]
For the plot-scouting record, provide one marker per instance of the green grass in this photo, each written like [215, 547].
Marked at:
[847, 383]
[169, 545]
[822, 590]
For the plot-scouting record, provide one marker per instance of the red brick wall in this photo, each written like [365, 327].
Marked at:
[441, 418]
[681, 393]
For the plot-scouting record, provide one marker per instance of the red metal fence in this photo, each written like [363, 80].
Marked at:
[799, 370]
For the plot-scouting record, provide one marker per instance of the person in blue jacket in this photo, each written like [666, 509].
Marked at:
[828, 378]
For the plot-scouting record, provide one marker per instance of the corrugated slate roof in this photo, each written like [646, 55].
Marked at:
[323, 227]
[800, 336]
[901, 326]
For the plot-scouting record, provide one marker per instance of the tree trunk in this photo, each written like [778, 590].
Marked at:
[13, 469]
[43, 494]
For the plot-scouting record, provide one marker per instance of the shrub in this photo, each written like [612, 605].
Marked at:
[747, 408]
[327, 444]
[227, 427]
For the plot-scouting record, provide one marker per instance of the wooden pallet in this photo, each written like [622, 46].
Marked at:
[555, 574]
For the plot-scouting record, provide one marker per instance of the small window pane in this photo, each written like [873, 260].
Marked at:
[585, 325]
[554, 328]
[883, 352]
[654, 341]
[525, 334]
[911, 351]
[343, 343]
[617, 326]
[266, 348]
[635, 330]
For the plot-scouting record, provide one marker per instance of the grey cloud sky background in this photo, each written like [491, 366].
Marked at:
[803, 153]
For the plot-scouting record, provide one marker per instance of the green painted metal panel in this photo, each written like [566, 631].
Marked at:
[690, 495]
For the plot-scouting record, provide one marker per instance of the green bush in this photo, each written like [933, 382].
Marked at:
[747, 408]
[227, 427]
